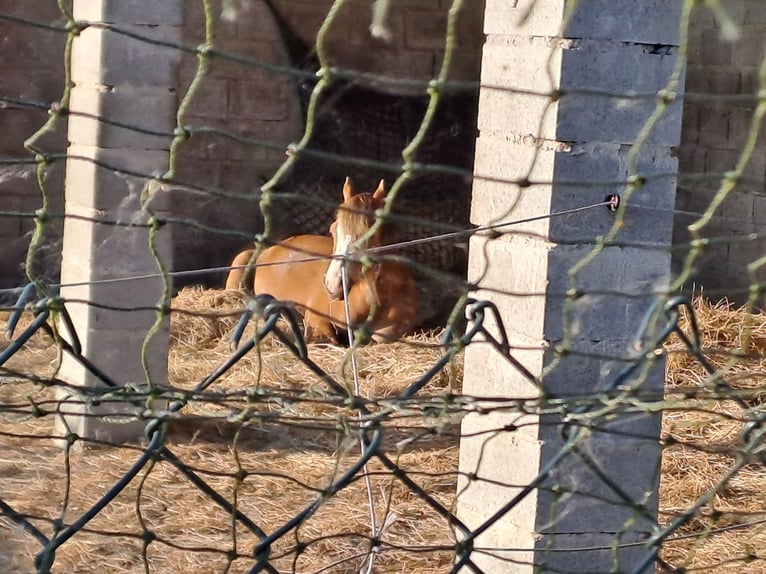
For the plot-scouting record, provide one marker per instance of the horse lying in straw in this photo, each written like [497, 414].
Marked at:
[382, 297]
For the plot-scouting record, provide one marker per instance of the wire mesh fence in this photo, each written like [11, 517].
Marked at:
[263, 450]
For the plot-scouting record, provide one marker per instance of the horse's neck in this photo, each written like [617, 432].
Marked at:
[366, 285]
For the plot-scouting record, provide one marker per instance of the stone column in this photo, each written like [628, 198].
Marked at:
[132, 82]
[574, 520]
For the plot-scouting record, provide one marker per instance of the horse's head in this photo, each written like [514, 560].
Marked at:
[355, 217]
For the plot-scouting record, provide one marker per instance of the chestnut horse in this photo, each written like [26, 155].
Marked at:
[383, 296]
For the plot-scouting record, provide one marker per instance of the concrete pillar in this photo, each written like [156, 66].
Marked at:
[132, 82]
[574, 520]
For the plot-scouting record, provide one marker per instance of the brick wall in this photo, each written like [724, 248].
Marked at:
[251, 102]
[714, 132]
[417, 31]
[264, 105]
[32, 71]
[236, 98]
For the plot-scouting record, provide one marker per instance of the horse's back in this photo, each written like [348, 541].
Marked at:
[293, 270]
[238, 276]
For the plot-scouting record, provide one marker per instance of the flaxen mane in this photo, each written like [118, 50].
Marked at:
[357, 218]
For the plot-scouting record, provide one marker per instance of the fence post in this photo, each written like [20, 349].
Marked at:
[132, 82]
[576, 332]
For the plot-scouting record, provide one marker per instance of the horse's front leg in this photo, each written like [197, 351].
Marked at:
[359, 308]
[318, 328]
[386, 334]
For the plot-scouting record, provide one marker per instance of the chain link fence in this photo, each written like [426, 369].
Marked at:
[279, 454]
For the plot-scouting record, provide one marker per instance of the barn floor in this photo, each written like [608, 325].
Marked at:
[289, 451]
[277, 465]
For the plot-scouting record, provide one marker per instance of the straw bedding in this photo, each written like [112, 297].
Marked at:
[705, 440]
[276, 465]
[289, 452]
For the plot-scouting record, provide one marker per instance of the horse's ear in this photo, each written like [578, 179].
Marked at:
[348, 189]
[380, 192]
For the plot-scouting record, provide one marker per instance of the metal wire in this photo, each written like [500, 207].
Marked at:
[388, 429]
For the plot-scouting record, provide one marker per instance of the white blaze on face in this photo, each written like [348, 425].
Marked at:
[333, 278]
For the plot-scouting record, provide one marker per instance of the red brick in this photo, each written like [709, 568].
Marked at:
[736, 12]
[690, 123]
[219, 147]
[261, 100]
[43, 86]
[691, 159]
[253, 52]
[210, 99]
[256, 22]
[358, 32]
[223, 66]
[191, 169]
[755, 173]
[713, 130]
[749, 83]
[10, 226]
[470, 27]
[701, 19]
[19, 124]
[697, 79]
[723, 81]
[715, 50]
[400, 5]
[194, 22]
[38, 10]
[466, 66]
[749, 49]
[278, 134]
[739, 127]
[425, 30]
[411, 65]
[755, 14]
[199, 145]
[26, 47]
[759, 207]
[13, 251]
[738, 205]
[244, 177]
[694, 46]
[18, 187]
[187, 69]
[352, 15]
[721, 160]
[28, 225]
[304, 17]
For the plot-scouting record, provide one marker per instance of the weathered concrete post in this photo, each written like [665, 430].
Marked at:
[131, 82]
[574, 520]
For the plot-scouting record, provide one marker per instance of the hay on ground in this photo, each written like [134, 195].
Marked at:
[703, 430]
[274, 461]
[273, 458]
